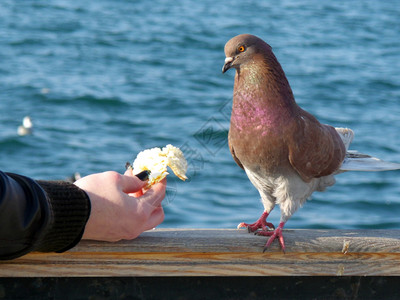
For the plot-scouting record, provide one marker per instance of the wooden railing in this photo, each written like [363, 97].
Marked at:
[181, 252]
[353, 263]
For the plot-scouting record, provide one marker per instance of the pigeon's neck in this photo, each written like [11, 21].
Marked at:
[265, 80]
[262, 98]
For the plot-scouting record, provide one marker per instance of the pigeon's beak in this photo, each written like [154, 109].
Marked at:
[228, 64]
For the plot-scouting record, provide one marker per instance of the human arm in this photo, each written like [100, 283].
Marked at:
[53, 215]
[39, 215]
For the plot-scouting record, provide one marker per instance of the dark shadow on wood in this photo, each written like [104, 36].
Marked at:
[193, 288]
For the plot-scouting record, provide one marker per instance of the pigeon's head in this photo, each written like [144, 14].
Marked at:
[243, 49]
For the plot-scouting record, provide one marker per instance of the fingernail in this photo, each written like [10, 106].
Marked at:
[144, 175]
[128, 165]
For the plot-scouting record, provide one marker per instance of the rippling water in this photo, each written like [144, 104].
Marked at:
[103, 80]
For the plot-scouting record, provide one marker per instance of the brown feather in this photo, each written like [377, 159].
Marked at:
[315, 149]
[233, 153]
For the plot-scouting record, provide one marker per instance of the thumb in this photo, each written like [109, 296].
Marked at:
[131, 184]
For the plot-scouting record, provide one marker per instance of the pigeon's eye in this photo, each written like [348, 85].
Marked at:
[241, 49]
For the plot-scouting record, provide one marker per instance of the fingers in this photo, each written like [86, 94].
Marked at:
[129, 172]
[133, 186]
[155, 219]
[156, 194]
[115, 214]
[143, 175]
[130, 183]
[151, 199]
[137, 194]
[151, 211]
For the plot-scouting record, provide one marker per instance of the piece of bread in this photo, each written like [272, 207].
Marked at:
[156, 161]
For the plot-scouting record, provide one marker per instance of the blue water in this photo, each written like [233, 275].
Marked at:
[103, 80]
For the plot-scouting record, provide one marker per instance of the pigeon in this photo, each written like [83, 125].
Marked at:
[286, 152]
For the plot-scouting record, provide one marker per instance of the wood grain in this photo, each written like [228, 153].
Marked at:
[222, 252]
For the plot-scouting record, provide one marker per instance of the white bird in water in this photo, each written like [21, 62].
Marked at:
[26, 127]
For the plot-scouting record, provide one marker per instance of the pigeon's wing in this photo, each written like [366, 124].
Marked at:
[231, 148]
[315, 149]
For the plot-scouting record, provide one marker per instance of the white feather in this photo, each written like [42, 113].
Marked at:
[356, 161]
[289, 191]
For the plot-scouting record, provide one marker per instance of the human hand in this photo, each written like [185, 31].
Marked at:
[121, 208]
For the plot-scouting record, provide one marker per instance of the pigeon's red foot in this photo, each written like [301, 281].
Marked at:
[261, 223]
[277, 233]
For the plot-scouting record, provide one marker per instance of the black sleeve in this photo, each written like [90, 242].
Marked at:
[40, 215]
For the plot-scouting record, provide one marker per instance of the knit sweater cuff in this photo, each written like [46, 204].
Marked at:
[70, 207]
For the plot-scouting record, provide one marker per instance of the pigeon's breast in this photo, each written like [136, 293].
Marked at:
[248, 115]
[257, 135]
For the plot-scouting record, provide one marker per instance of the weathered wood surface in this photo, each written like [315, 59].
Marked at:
[226, 252]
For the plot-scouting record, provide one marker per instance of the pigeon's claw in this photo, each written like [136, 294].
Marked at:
[261, 223]
[277, 233]
[255, 226]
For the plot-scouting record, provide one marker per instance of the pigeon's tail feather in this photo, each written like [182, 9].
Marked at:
[346, 135]
[356, 161]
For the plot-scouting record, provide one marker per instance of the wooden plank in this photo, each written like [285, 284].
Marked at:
[209, 252]
[232, 240]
